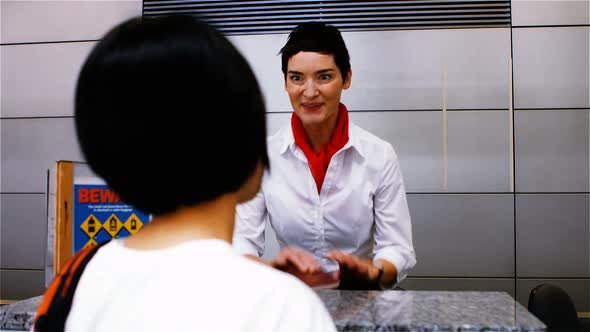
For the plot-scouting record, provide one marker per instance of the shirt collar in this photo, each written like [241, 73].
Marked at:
[353, 140]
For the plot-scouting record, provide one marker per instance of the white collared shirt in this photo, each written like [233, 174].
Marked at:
[361, 209]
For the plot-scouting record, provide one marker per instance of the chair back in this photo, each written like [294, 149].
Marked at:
[554, 307]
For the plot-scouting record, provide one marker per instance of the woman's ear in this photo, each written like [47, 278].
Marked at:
[348, 80]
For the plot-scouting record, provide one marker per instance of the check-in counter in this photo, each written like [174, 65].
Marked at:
[381, 311]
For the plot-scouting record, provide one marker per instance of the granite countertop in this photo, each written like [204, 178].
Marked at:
[19, 315]
[382, 311]
[427, 311]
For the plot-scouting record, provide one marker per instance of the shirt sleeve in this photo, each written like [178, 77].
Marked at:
[393, 228]
[248, 235]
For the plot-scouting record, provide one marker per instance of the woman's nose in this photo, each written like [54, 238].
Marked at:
[310, 89]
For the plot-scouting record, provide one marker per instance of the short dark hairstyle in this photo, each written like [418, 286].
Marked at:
[316, 37]
[169, 113]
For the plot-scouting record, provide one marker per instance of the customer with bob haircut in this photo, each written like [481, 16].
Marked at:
[171, 116]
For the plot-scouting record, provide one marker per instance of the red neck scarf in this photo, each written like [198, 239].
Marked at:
[318, 163]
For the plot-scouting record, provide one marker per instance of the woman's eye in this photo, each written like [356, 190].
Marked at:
[325, 77]
[295, 78]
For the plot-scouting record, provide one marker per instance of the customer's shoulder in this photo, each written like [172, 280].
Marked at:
[292, 305]
[266, 286]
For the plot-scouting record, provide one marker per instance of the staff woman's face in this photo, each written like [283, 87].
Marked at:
[314, 85]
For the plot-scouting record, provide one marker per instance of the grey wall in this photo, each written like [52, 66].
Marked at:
[503, 206]
[43, 46]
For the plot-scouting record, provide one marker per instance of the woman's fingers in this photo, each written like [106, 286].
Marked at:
[350, 263]
[300, 259]
[304, 261]
[304, 266]
[335, 255]
[342, 258]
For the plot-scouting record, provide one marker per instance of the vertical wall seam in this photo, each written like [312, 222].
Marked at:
[444, 129]
[513, 150]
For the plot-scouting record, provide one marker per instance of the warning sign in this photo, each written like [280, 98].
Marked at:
[99, 214]
[113, 225]
[90, 243]
[133, 224]
[91, 226]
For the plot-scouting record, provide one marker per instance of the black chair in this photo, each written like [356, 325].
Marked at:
[554, 307]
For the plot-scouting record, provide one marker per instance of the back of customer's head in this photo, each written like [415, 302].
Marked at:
[169, 113]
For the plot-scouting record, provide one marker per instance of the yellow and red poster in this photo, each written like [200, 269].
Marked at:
[100, 215]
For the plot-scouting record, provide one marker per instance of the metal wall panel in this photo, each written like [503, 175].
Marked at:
[23, 230]
[395, 70]
[478, 151]
[47, 21]
[40, 79]
[30, 147]
[21, 284]
[551, 67]
[459, 284]
[459, 235]
[552, 236]
[543, 12]
[406, 72]
[552, 151]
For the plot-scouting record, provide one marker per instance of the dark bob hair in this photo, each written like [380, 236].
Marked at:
[169, 113]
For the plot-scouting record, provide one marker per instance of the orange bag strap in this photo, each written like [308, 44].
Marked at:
[57, 301]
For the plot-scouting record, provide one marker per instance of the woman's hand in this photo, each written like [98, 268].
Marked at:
[356, 273]
[298, 259]
[354, 269]
[304, 266]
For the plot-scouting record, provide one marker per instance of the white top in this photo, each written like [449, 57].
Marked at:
[361, 209]
[195, 286]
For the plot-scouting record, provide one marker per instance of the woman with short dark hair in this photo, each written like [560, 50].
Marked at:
[336, 197]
